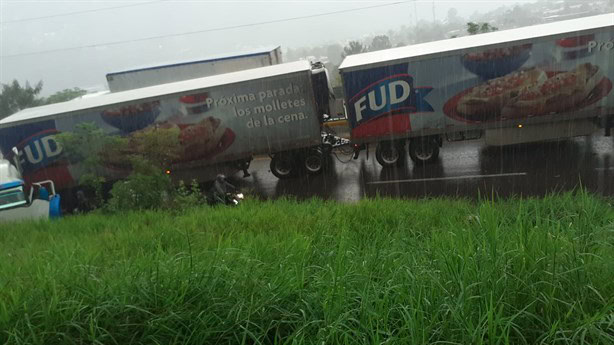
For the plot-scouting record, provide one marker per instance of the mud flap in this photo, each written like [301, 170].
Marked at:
[54, 207]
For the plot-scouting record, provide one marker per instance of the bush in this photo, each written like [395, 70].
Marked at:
[93, 186]
[148, 187]
[84, 147]
[188, 196]
[141, 192]
[145, 155]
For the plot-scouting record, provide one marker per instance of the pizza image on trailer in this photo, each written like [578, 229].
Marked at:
[527, 93]
[486, 101]
[563, 91]
[203, 140]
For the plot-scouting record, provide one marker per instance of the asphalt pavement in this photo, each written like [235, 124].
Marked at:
[465, 169]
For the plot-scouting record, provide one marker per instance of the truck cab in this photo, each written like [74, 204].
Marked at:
[11, 187]
[16, 205]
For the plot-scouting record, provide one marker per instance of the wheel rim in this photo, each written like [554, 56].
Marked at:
[313, 163]
[282, 167]
[390, 155]
[424, 152]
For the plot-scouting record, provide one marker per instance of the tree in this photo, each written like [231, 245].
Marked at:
[353, 47]
[15, 97]
[65, 95]
[473, 28]
[428, 32]
[480, 28]
[487, 28]
[380, 42]
[453, 17]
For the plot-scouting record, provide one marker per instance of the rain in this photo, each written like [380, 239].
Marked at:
[438, 122]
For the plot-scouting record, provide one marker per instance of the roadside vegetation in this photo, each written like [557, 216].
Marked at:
[532, 271]
[144, 159]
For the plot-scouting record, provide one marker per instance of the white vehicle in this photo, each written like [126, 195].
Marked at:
[220, 123]
[41, 202]
[530, 84]
[184, 70]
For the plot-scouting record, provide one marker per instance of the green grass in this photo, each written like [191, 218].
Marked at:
[533, 271]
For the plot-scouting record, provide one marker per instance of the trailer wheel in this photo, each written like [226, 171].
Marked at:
[283, 165]
[315, 160]
[390, 153]
[424, 150]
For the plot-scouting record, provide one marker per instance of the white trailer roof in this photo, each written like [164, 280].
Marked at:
[211, 58]
[78, 105]
[450, 46]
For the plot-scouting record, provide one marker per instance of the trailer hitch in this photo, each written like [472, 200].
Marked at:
[357, 149]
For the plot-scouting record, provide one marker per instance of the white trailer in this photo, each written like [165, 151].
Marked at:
[530, 84]
[220, 121]
[184, 70]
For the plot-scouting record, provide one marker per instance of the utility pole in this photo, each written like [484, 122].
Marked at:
[415, 13]
[434, 11]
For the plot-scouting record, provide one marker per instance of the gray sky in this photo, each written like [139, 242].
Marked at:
[131, 20]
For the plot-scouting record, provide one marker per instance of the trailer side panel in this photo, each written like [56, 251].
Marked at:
[215, 125]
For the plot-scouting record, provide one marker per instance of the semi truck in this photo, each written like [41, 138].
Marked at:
[537, 83]
[183, 70]
[220, 123]
[530, 84]
[19, 201]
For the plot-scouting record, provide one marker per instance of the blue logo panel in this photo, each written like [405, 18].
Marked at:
[383, 91]
[35, 143]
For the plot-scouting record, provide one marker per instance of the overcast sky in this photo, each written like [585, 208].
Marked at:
[23, 31]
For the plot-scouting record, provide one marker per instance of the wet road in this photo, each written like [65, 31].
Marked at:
[465, 169]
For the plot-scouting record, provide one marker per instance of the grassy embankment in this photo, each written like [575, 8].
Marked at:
[381, 271]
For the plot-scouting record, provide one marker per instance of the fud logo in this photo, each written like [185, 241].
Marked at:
[392, 95]
[39, 150]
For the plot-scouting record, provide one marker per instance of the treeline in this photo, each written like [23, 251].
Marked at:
[15, 97]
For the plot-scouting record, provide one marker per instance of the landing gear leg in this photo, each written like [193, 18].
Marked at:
[244, 165]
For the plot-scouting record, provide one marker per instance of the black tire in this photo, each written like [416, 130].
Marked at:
[424, 150]
[390, 153]
[283, 166]
[314, 161]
